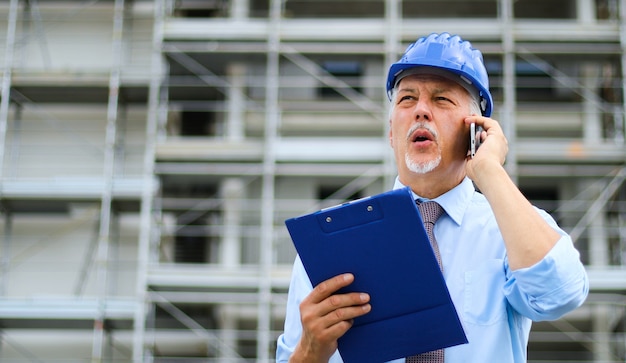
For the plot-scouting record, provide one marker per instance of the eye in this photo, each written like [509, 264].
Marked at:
[406, 98]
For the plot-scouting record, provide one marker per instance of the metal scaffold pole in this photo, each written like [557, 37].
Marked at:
[5, 90]
[272, 115]
[102, 261]
[508, 105]
[140, 353]
[622, 37]
[393, 19]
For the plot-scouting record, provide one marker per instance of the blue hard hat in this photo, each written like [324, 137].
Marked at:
[444, 52]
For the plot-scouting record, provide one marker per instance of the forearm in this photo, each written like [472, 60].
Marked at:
[528, 238]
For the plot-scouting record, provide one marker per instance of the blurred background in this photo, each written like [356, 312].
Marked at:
[150, 152]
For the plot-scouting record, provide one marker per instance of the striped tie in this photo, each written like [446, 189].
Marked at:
[431, 211]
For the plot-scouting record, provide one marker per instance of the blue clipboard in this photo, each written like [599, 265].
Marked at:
[382, 241]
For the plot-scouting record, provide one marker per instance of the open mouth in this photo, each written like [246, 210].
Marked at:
[421, 136]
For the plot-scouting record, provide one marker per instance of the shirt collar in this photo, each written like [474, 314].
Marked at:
[454, 201]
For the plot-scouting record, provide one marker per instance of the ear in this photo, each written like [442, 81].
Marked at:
[390, 135]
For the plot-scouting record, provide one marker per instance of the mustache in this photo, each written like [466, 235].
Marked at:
[421, 125]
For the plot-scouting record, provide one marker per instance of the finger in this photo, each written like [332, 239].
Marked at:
[339, 321]
[340, 303]
[336, 317]
[477, 119]
[357, 306]
[326, 288]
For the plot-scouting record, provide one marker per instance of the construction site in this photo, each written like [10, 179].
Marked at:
[151, 150]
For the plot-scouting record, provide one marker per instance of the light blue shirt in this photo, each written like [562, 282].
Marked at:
[496, 305]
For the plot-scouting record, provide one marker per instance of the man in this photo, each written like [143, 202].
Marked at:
[505, 262]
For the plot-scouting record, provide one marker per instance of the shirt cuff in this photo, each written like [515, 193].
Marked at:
[552, 287]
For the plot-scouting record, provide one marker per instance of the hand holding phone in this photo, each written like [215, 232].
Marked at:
[475, 132]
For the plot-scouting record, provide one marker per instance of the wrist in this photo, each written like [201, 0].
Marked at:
[303, 355]
[488, 172]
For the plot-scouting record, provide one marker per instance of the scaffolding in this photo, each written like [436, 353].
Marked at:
[151, 150]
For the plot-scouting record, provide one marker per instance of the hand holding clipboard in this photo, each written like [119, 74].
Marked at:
[379, 239]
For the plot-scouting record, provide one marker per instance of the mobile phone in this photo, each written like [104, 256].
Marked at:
[475, 132]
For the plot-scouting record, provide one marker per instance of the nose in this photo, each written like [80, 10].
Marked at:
[422, 110]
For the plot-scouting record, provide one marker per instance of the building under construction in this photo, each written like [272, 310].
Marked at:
[150, 152]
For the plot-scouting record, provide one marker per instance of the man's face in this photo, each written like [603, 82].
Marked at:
[427, 131]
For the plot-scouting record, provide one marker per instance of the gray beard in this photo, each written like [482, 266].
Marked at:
[421, 168]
